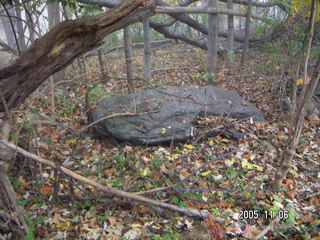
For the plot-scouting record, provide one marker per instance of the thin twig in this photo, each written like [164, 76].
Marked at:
[100, 187]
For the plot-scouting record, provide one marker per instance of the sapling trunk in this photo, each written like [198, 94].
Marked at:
[301, 110]
[129, 56]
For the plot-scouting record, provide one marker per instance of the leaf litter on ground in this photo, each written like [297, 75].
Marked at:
[238, 183]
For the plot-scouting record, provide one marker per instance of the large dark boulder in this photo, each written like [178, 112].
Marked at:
[165, 114]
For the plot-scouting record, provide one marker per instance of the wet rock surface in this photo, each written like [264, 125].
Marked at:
[167, 114]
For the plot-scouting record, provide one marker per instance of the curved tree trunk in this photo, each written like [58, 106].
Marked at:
[56, 49]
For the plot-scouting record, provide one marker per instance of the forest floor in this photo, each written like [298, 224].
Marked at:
[235, 188]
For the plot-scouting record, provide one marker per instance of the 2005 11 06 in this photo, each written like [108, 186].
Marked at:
[267, 214]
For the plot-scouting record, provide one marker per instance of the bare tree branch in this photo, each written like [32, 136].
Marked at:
[272, 3]
[174, 35]
[180, 10]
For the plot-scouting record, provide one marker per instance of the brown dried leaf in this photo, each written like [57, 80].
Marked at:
[44, 190]
[110, 171]
[183, 173]
[55, 136]
[249, 231]
[216, 229]
[112, 220]
[196, 204]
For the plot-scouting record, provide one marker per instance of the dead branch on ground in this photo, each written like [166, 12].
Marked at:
[100, 187]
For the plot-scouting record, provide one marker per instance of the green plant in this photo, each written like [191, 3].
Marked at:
[178, 201]
[170, 235]
[292, 214]
[120, 162]
[88, 203]
[197, 195]
[16, 183]
[200, 74]
[295, 232]
[96, 93]
[233, 174]
[157, 162]
[259, 29]
[117, 182]
[33, 222]
[303, 142]
[22, 202]
[97, 170]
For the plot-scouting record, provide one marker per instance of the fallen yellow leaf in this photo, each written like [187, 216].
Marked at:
[206, 173]
[64, 225]
[190, 146]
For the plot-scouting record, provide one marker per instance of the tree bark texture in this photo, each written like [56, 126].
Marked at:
[230, 54]
[147, 50]
[20, 29]
[66, 41]
[53, 14]
[54, 19]
[104, 74]
[129, 55]
[246, 35]
[30, 23]
[212, 39]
